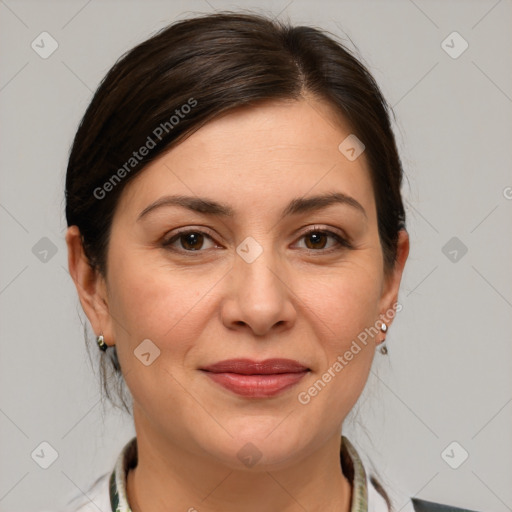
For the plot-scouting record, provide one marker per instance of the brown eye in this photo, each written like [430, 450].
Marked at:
[189, 241]
[192, 241]
[317, 240]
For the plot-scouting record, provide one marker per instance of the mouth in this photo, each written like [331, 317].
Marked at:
[256, 379]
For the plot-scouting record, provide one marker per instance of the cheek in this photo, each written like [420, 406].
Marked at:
[152, 302]
[346, 303]
[345, 309]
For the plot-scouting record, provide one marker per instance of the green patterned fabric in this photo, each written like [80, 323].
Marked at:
[351, 465]
[353, 469]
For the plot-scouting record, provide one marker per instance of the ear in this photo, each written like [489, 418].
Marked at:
[392, 281]
[90, 285]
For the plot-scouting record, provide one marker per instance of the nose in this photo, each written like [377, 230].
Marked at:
[259, 296]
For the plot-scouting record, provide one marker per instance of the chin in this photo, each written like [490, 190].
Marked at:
[260, 449]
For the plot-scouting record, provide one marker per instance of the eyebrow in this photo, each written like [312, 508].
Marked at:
[295, 207]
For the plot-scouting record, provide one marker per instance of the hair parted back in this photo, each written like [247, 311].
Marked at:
[223, 61]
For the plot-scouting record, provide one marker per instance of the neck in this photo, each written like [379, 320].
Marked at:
[168, 477]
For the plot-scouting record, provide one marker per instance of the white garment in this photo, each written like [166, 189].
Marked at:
[98, 498]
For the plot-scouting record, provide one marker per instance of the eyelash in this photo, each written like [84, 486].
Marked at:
[342, 242]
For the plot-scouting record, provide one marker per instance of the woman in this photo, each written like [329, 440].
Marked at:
[237, 240]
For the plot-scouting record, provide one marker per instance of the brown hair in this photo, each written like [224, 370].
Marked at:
[167, 87]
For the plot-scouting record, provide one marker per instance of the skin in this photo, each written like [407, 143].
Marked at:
[302, 298]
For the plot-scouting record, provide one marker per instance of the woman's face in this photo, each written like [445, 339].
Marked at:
[248, 282]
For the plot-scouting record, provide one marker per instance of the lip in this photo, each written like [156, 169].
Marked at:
[256, 379]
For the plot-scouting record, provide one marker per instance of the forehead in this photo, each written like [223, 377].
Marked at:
[260, 155]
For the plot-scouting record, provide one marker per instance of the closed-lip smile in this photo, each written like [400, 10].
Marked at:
[256, 379]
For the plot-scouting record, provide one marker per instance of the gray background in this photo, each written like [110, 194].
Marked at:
[448, 373]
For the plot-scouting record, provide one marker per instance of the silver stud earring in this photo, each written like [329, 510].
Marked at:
[383, 348]
[101, 343]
